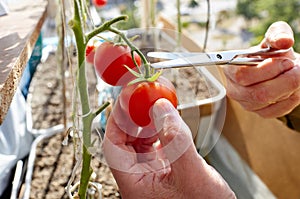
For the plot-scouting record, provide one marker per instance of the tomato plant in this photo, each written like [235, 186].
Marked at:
[137, 99]
[99, 3]
[90, 53]
[110, 61]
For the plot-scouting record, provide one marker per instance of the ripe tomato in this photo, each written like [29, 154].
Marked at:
[90, 54]
[109, 63]
[137, 99]
[99, 3]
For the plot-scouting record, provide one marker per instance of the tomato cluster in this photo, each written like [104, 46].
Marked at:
[138, 98]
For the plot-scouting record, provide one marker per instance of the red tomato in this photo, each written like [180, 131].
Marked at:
[90, 54]
[137, 99]
[110, 61]
[99, 3]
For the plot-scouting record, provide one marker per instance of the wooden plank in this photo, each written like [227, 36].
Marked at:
[268, 146]
[18, 34]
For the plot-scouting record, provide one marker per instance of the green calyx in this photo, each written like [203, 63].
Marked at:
[140, 77]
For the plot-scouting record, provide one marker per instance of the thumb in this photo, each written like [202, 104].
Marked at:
[279, 35]
[174, 135]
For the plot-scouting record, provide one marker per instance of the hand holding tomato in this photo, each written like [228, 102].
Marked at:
[170, 168]
[138, 98]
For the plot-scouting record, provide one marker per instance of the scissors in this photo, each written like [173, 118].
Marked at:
[251, 56]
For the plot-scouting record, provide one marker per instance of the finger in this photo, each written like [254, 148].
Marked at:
[281, 108]
[144, 148]
[177, 144]
[175, 136]
[255, 106]
[279, 35]
[118, 154]
[123, 121]
[123, 159]
[248, 75]
[266, 92]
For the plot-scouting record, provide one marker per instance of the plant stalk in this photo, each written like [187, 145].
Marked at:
[179, 27]
[77, 28]
[77, 25]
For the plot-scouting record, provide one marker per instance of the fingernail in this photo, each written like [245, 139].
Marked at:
[287, 64]
[161, 109]
[282, 35]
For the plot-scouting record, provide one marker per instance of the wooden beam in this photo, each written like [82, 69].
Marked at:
[19, 31]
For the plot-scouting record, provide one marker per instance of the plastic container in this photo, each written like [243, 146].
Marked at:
[205, 116]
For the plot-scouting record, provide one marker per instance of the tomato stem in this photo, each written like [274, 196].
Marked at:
[105, 26]
[133, 48]
[135, 63]
[101, 108]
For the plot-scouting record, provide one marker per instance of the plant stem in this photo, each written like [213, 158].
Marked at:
[77, 28]
[179, 29]
[106, 104]
[152, 12]
[105, 26]
[77, 25]
[207, 25]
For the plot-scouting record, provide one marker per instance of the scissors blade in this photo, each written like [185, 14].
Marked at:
[204, 61]
[197, 60]
[235, 57]
[193, 59]
[170, 55]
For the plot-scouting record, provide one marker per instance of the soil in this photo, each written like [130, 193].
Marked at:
[55, 161]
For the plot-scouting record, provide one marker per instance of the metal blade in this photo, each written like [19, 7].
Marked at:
[186, 58]
[187, 62]
[198, 60]
[170, 55]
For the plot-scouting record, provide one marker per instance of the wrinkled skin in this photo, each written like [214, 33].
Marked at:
[272, 88]
[170, 169]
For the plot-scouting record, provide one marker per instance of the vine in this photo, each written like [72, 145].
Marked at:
[84, 140]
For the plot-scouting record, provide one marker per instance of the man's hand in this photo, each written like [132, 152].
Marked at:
[165, 165]
[272, 88]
